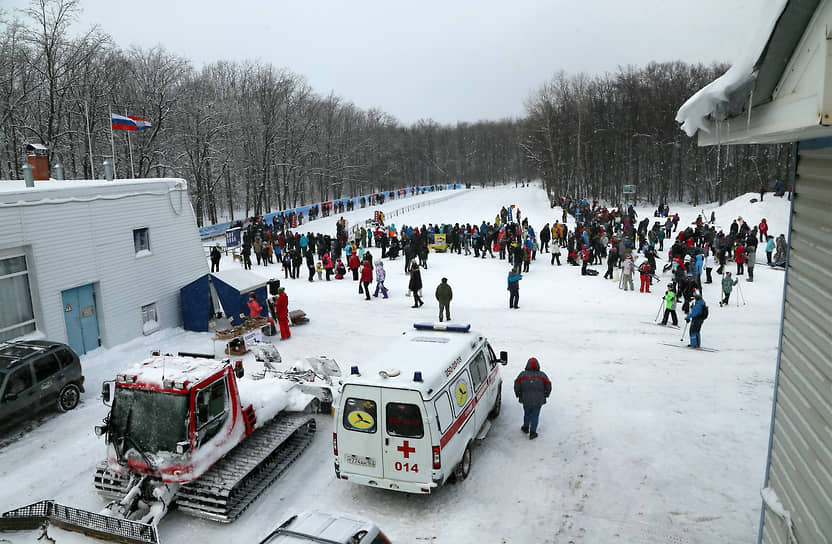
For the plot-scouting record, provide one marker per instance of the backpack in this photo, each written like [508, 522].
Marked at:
[704, 312]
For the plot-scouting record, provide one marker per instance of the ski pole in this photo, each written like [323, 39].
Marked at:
[661, 303]
[682, 339]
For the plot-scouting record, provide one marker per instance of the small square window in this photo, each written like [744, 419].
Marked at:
[141, 240]
[150, 321]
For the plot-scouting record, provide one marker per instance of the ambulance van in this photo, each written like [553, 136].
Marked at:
[407, 420]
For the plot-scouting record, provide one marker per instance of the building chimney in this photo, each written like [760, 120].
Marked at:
[36, 154]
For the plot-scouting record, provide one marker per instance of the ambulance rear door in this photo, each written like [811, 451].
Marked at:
[360, 434]
[407, 443]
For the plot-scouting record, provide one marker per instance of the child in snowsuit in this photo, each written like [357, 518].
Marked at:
[670, 306]
[381, 275]
[728, 284]
[627, 270]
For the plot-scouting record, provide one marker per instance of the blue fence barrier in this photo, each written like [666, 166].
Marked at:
[212, 231]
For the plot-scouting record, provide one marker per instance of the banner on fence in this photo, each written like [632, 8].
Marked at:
[233, 237]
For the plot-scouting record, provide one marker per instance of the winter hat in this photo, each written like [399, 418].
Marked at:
[281, 290]
[252, 296]
[444, 280]
[533, 364]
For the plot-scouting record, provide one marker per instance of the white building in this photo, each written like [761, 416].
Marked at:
[784, 94]
[95, 263]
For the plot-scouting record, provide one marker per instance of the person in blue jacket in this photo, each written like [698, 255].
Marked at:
[514, 278]
[769, 248]
[700, 262]
[695, 318]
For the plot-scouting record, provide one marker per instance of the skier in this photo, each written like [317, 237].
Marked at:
[670, 306]
[514, 278]
[728, 283]
[696, 317]
[532, 387]
[444, 294]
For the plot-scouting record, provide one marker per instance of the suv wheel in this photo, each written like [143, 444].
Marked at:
[69, 397]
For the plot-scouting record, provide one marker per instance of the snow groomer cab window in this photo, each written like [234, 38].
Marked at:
[211, 413]
[360, 415]
[404, 420]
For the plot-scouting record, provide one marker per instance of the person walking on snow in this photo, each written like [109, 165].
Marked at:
[532, 387]
[728, 284]
[415, 285]
[366, 278]
[381, 274]
[696, 317]
[216, 255]
[444, 294]
[644, 271]
[514, 278]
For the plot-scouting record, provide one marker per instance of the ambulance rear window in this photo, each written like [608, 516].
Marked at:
[404, 420]
[360, 415]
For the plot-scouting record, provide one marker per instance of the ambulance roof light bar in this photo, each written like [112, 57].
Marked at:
[442, 327]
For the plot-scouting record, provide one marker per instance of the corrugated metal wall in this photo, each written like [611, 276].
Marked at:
[800, 458]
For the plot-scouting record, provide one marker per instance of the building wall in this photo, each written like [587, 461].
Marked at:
[79, 236]
[800, 454]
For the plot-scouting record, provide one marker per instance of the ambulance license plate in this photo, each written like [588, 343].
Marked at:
[361, 461]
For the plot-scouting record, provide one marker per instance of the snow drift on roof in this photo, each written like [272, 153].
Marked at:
[714, 98]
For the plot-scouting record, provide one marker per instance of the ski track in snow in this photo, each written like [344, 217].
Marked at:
[638, 442]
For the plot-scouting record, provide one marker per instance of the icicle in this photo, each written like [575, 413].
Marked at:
[771, 501]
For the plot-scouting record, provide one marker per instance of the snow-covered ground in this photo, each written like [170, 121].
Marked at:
[640, 441]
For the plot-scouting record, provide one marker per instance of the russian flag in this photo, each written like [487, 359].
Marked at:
[121, 122]
[141, 124]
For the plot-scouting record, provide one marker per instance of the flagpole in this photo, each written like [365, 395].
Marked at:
[89, 136]
[130, 149]
[112, 143]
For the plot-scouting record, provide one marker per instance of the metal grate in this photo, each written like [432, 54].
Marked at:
[74, 519]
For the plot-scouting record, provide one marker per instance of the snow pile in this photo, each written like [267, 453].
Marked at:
[714, 97]
[270, 396]
[773, 503]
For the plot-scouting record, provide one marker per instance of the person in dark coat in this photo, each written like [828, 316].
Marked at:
[215, 258]
[415, 284]
[444, 294]
[514, 278]
[532, 387]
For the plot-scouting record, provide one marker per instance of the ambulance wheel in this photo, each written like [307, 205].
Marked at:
[495, 410]
[464, 467]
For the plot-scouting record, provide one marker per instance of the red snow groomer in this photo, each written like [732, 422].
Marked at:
[184, 431]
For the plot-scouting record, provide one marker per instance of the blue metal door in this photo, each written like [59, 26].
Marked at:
[81, 319]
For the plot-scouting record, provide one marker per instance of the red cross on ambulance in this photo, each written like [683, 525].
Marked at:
[406, 449]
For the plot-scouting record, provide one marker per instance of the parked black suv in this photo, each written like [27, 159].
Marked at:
[37, 374]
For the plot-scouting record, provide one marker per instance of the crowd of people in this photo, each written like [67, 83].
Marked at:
[587, 232]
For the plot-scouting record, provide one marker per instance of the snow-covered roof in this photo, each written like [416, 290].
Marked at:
[15, 192]
[436, 354]
[725, 96]
[160, 368]
[240, 279]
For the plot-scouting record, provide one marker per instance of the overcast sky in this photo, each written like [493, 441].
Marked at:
[446, 60]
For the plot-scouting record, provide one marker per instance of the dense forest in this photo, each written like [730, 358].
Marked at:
[254, 137]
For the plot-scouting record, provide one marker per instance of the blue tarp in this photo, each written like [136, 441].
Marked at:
[197, 309]
[233, 288]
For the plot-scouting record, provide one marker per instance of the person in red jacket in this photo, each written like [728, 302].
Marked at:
[254, 307]
[645, 271]
[354, 263]
[281, 307]
[366, 278]
[327, 263]
[763, 230]
[739, 257]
